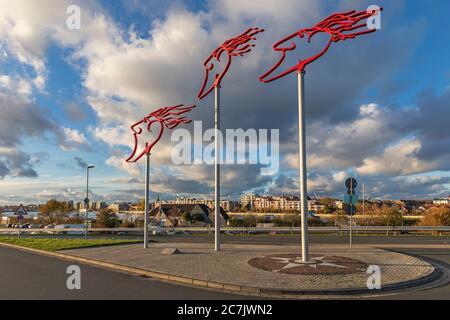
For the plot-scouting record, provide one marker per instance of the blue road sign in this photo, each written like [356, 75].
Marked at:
[351, 199]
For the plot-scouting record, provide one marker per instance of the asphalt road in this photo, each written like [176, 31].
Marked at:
[26, 275]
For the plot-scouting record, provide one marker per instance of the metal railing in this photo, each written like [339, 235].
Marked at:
[162, 230]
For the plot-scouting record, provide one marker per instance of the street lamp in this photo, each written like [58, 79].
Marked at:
[86, 201]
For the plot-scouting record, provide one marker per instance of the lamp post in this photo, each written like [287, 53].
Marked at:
[86, 201]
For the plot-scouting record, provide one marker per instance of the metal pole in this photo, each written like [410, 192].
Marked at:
[351, 223]
[364, 196]
[86, 204]
[364, 206]
[351, 212]
[217, 168]
[146, 201]
[303, 176]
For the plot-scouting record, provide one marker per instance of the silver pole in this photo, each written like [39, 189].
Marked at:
[146, 201]
[303, 176]
[217, 169]
[351, 212]
[86, 205]
[351, 224]
[364, 204]
[364, 197]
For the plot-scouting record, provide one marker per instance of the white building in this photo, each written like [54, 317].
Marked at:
[225, 204]
[279, 203]
[440, 202]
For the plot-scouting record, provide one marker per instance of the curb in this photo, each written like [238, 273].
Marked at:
[436, 274]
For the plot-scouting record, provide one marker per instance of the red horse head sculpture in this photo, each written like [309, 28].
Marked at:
[167, 117]
[339, 26]
[234, 47]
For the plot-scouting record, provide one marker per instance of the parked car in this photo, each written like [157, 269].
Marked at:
[49, 226]
[9, 225]
[25, 226]
[33, 226]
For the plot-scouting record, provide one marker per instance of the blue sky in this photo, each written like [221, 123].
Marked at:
[68, 96]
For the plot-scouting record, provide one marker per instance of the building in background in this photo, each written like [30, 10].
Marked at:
[225, 204]
[441, 202]
[256, 202]
[185, 215]
[119, 206]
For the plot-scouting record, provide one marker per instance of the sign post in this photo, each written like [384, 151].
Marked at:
[234, 47]
[163, 118]
[20, 218]
[20, 212]
[339, 26]
[351, 199]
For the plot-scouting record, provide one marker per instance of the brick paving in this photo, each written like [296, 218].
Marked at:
[230, 266]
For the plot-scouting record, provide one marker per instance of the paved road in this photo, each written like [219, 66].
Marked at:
[25, 275]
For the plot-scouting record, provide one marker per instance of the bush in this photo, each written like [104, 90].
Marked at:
[247, 222]
[128, 225]
[106, 218]
[316, 222]
[436, 217]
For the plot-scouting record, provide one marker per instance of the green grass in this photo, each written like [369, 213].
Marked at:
[53, 245]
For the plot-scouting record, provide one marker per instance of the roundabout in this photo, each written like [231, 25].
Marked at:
[269, 270]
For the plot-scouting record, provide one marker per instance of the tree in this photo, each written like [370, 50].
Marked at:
[54, 211]
[391, 216]
[106, 218]
[436, 216]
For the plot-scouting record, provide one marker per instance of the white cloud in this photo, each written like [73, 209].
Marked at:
[127, 76]
[73, 140]
[399, 159]
[118, 161]
[18, 85]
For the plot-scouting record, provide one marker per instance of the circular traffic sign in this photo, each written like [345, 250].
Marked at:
[351, 183]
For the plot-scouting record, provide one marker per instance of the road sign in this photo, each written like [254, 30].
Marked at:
[351, 199]
[19, 217]
[351, 183]
[21, 211]
[350, 209]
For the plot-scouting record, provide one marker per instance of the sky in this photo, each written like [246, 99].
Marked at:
[377, 106]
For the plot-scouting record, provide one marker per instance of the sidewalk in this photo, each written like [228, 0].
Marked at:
[267, 269]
